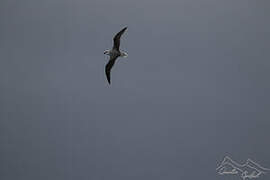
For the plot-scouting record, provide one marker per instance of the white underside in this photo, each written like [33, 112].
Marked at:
[113, 53]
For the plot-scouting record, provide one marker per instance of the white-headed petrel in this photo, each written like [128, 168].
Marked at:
[114, 53]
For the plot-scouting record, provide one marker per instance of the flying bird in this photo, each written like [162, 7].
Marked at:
[114, 53]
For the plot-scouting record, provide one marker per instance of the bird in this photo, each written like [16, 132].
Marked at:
[114, 53]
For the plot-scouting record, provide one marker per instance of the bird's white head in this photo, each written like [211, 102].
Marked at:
[107, 52]
[124, 54]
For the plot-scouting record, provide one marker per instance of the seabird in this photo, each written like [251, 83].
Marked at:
[114, 53]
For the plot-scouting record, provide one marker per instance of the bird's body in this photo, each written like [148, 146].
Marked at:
[114, 53]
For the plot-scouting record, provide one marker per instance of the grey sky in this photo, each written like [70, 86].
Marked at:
[197, 91]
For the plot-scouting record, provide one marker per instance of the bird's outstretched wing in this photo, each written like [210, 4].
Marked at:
[116, 39]
[108, 68]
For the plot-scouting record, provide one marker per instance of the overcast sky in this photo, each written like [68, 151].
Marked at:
[194, 88]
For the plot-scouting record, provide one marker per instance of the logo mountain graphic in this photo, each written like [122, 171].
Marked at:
[248, 170]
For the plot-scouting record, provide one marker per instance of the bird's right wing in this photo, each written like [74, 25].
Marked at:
[108, 68]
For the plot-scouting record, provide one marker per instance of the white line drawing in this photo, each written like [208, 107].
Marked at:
[250, 169]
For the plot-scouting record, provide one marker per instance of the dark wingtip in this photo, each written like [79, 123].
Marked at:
[108, 78]
[124, 29]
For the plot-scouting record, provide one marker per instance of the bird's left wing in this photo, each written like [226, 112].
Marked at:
[116, 39]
